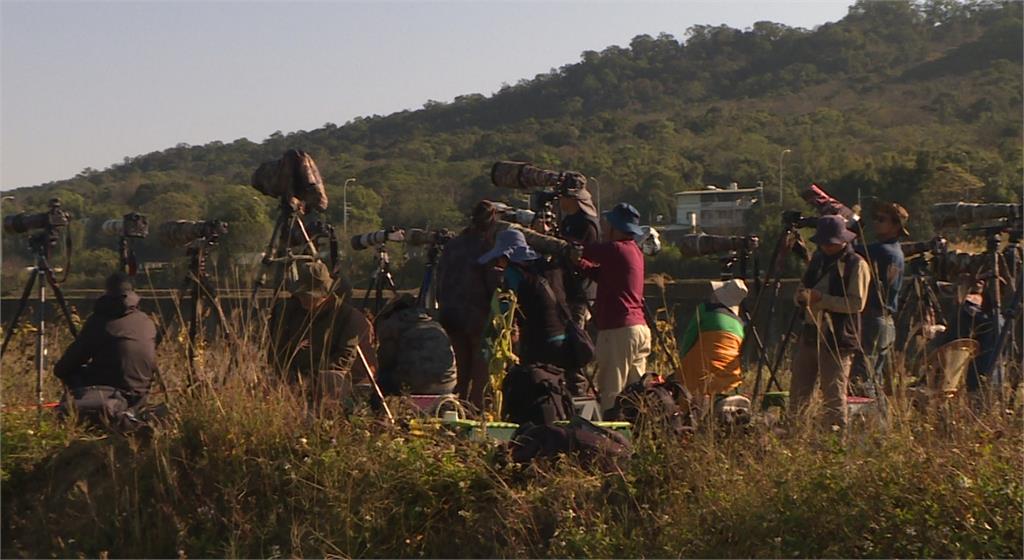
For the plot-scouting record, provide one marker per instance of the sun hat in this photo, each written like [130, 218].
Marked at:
[584, 199]
[625, 218]
[832, 230]
[897, 213]
[729, 293]
[509, 243]
[314, 279]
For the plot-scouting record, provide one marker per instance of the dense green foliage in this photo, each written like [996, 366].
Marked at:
[916, 102]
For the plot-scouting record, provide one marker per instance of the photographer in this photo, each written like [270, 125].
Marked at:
[413, 352]
[623, 338]
[834, 293]
[110, 367]
[315, 335]
[878, 327]
[464, 289]
[535, 390]
[579, 225]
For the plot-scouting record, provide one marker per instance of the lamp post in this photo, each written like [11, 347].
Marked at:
[344, 207]
[598, 183]
[782, 154]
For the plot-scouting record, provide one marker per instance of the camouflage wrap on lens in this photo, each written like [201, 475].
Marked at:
[295, 177]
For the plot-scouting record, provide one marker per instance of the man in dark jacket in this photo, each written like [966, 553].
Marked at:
[316, 334]
[116, 348]
[464, 289]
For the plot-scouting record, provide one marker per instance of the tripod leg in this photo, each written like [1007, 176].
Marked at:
[62, 303]
[21, 308]
[373, 381]
[193, 331]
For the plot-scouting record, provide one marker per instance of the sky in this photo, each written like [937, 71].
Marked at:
[84, 84]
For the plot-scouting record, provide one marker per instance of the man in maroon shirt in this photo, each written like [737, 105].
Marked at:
[623, 339]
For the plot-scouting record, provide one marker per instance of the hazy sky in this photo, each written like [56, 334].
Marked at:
[83, 84]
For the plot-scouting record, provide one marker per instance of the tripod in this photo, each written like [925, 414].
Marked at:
[126, 262]
[40, 245]
[279, 248]
[380, 279]
[427, 298]
[201, 290]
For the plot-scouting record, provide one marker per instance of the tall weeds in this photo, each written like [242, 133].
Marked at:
[243, 469]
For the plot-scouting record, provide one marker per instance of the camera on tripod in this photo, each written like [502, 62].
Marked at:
[50, 220]
[936, 246]
[182, 232]
[133, 225]
[377, 238]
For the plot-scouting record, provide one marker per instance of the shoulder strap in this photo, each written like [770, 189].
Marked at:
[562, 307]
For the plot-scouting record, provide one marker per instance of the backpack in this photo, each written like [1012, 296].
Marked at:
[535, 393]
[590, 443]
[654, 402]
[579, 346]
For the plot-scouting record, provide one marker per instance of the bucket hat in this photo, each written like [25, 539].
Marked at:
[509, 243]
[314, 280]
[625, 218]
[729, 293]
[832, 230]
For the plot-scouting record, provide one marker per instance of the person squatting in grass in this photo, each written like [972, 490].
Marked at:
[414, 354]
[833, 294]
[711, 344]
[315, 334]
[623, 338]
[878, 327]
[110, 367]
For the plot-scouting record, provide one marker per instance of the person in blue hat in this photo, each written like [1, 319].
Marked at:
[834, 292]
[540, 296]
[623, 338]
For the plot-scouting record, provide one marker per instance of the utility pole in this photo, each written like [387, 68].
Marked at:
[344, 207]
[781, 155]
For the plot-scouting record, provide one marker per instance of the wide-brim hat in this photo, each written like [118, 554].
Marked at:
[512, 244]
[314, 279]
[584, 199]
[625, 218]
[897, 213]
[729, 293]
[832, 230]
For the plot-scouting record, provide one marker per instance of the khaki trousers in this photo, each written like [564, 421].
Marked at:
[813, 362]
[621, 360]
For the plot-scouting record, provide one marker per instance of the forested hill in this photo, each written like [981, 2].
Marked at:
[916, 102]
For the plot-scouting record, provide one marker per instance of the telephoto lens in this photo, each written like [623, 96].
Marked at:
[699, 244]
[55, 217]
[133, 225]
[375, 238]
[956, 214]
[522, 175]
[418, 237]
[183, 232]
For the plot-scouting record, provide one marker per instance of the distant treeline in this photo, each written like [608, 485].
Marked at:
[906, 101]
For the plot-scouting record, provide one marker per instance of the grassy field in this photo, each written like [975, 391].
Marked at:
[243, 469]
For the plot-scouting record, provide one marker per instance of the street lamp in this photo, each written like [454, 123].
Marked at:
[344, 207]
[598, 183]
[781, 155]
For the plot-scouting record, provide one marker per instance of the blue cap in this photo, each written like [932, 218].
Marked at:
[625, 218]
[509, 243]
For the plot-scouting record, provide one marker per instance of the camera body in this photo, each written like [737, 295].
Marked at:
[133, 225]
[55, 217]
[796, 219]
[182, 232]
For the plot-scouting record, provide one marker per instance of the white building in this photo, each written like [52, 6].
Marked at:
[714, 210]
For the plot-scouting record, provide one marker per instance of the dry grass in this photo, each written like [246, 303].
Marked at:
[243, 470]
